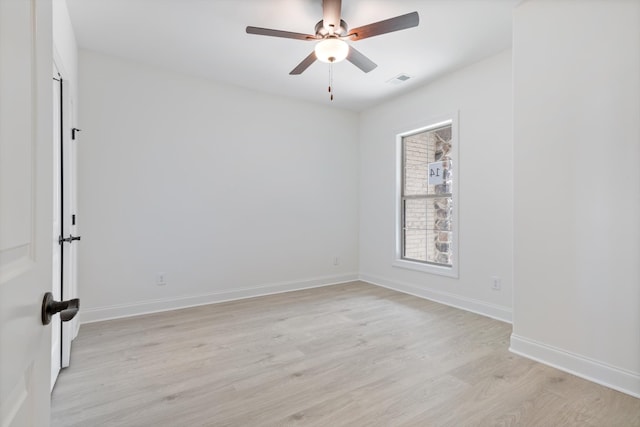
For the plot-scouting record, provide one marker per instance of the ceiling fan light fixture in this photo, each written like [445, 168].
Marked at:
[331, 50]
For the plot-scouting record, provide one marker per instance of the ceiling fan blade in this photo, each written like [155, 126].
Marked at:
[278, 33]
[331, 14]
[306, 62]
[387, 26]
[360, 61]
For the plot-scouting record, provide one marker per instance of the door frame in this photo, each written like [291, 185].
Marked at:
[56, 211]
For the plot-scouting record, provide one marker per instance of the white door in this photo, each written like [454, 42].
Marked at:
[68, 214]
[70, 276]
[26, 194]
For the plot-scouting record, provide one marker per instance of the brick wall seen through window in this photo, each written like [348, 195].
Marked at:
[427, 209]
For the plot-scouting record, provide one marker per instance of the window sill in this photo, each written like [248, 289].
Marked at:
[426, 268]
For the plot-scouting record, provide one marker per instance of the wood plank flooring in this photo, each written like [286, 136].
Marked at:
[344, 355]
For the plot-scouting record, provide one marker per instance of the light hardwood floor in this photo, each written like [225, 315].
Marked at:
[344, 355]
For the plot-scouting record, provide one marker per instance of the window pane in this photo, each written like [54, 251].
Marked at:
[421, 149]
[415, 229]
[439, 148]
[416, 159]
[439, 218]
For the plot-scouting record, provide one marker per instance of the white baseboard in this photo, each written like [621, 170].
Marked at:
[153, 306]
[475, 306]
[575, 364]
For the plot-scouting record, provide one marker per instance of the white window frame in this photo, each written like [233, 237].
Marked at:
[398, 261]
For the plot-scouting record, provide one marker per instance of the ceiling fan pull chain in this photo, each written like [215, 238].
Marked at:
[331, 81]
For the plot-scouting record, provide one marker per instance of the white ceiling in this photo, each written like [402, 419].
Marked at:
[207, 38]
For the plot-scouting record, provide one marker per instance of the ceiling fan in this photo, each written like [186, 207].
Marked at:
[331, 33]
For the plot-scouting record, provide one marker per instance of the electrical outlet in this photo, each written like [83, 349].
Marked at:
[161, 279]
[336, 260]
[496, 283]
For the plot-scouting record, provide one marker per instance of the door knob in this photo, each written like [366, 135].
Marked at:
[67, 309]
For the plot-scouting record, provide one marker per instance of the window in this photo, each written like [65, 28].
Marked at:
[426, 207]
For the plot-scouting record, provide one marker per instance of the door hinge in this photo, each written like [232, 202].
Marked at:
[69, 239]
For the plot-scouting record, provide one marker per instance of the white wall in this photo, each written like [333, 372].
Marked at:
[482, 95]
[64, 44]
[577, 188]
[228, 192]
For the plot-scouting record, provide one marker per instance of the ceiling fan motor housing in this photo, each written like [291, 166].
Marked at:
[321, 31]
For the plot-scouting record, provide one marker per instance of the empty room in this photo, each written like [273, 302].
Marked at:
[319, 213]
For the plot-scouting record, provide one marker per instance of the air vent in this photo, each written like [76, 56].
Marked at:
[400, 78]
